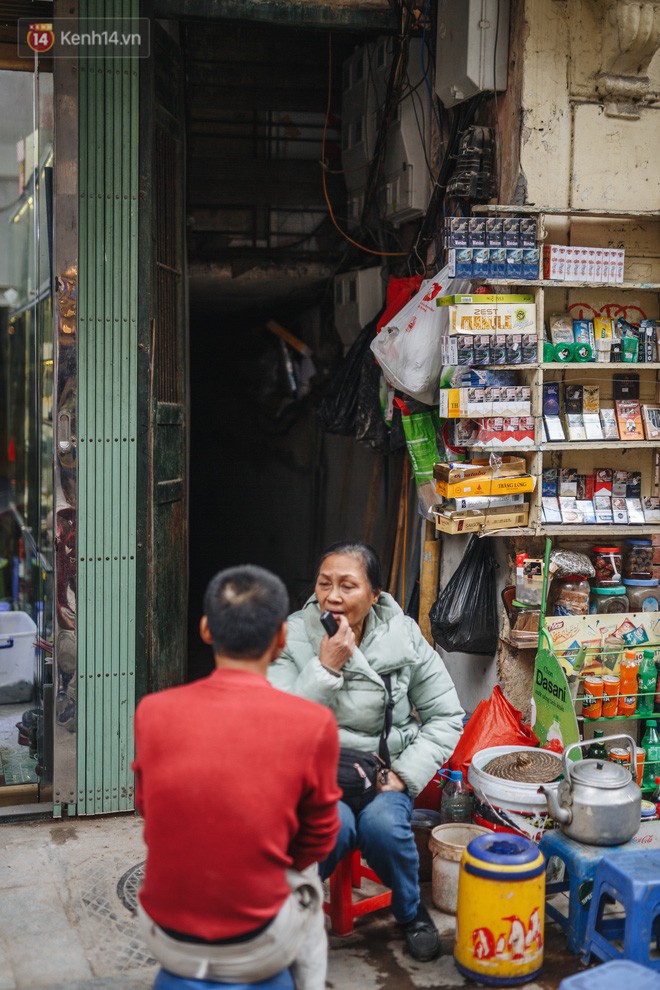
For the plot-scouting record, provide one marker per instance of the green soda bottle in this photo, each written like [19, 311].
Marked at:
[651, 746]
[647, 676]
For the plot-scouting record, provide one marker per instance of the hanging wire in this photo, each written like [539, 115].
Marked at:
[362, 247]
[425, 74]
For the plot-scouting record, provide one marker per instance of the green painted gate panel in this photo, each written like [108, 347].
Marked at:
[107, 422]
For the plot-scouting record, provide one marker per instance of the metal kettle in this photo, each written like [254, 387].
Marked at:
[597, 802]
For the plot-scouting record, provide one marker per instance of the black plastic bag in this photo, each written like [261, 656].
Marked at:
[464, 615]
[338, 408]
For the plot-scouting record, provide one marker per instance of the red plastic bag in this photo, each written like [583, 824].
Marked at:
[494, 722]
[399, 292]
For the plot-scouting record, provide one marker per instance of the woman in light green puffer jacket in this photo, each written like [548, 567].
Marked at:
[343, 672]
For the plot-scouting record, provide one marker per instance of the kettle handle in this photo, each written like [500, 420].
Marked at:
[588, 742]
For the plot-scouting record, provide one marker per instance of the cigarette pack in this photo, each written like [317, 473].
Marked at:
[549, 481]
[609, 424]
[477, 232]
[586, 508]
[603, 482]
[569, 510]
[629, 419]
[651, 507]
[494, 232]
[603, 508]
[527, 228]
[619, 511]
[590, 401]
[550, 508]
[568, 482]
[592, 427]
[635, 511]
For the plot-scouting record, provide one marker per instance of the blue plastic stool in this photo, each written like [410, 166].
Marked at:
[168, 981]
[580, 861]
[633, 880]
[613, 976]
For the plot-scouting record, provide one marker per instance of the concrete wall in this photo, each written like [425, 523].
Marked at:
[589, 105]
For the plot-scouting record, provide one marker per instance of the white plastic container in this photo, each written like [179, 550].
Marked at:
[508, 805]
[17, 635]
[447, 843]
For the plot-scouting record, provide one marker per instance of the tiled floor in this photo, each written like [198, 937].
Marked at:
[66, 920]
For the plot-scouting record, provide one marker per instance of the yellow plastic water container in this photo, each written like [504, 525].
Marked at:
[501, 910]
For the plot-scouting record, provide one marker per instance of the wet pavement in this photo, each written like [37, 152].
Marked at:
[67, 921]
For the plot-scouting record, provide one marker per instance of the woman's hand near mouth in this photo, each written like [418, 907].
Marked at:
[335, 651]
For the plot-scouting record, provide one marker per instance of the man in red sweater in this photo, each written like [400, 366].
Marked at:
[237, 783]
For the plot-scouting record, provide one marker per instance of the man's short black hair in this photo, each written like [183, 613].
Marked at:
[244, 607]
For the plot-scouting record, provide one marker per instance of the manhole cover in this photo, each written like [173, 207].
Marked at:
[128, 886]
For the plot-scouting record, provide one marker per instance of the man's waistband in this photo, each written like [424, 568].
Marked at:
[234, 940]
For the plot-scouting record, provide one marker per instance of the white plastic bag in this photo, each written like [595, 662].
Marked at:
[408, 347]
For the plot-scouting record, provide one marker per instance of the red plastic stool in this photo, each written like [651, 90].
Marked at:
[341, 907]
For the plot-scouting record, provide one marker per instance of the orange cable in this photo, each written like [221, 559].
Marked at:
[381, 254]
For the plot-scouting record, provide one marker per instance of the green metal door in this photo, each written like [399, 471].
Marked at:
[107, 419]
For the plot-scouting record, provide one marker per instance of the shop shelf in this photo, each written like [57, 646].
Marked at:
[593, 444]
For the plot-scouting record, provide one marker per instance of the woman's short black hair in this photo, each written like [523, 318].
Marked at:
[244, 607]
[366, 553]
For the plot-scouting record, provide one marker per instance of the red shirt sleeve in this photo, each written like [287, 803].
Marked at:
[317, 811]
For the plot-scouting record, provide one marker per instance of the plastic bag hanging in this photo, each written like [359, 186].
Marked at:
[464, 615]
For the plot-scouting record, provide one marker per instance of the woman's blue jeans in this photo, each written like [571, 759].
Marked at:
[383, 834]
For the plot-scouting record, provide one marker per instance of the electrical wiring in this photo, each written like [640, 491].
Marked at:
[420, 131]
[361, 247]
[425, 73]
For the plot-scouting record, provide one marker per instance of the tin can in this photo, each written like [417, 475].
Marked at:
[640, 757]
[621, 756]
[592, 701]
[610, 695]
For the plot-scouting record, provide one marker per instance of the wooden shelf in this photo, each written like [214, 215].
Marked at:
[616, 453]
[607, 365]
[592, 444]
[553, 284]
[516, 531]
[556, 211]
[568, 529]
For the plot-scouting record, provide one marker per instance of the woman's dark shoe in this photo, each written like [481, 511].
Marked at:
[421, 936]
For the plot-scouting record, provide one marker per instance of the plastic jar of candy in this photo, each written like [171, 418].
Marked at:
[638, 560]
[570, 595]
[607, 563]
[643, 596]
[606, 600]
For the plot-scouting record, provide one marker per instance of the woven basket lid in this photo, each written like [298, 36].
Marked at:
[529, 766]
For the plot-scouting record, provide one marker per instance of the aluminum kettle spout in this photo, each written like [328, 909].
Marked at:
[560, 814]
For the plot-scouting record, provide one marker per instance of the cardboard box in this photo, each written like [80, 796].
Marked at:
[492, 318]
[485, 298]
[471, 521]
[485, 486]
[478, 468]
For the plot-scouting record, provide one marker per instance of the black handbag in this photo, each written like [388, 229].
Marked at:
[357, 772]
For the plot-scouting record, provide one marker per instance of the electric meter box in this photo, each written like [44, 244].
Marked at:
[472, 48]
[405, 186]
[358, 298]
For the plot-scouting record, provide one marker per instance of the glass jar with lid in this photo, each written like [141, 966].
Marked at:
[638, 560]
[570, 595]
[607, 564]
[606, 600]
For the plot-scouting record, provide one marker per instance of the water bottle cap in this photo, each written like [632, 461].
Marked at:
[456, 775]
